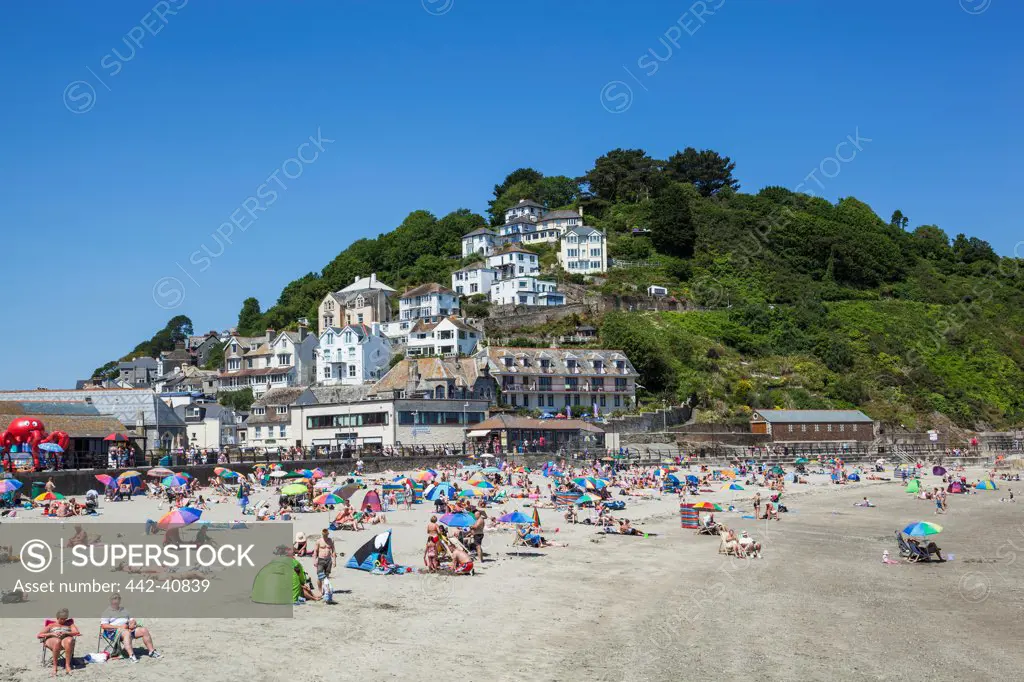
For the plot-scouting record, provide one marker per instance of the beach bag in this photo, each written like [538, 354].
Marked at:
[782, 508]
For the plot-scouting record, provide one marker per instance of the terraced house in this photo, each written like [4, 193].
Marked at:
[551, 380]
[276, 360]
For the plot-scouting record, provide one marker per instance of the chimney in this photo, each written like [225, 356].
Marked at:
[581, 211]
[270, 335]
[373, 278]
[355, 279]
[303, 331]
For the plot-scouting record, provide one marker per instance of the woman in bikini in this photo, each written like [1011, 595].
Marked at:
[430, 553]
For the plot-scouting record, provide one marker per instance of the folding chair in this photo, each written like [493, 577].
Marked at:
[46, 658]
[110, 642]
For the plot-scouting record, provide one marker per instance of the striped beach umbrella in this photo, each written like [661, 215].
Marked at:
[986, 485]
[9, 485]
[106, 480]
[174, 481]
[49, 497]
[922, 528]
[707, 506]
[179, 517]
[327, 498]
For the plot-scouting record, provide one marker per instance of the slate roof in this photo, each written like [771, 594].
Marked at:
[78, 420]
[814, 416]
[507, 421]
[527, 361]
[429, 288]
[464, 372]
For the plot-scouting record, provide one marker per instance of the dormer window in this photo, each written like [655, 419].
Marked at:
[281, 409]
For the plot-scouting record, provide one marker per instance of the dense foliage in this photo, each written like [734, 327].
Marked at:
[791, 300]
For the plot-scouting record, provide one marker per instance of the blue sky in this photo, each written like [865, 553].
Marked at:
[131, 139]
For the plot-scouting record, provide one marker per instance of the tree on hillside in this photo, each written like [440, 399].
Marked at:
[971, 249]
[557, 190]
[249, 317]
[899, 220]
[627, 175]
[707, 170]
[671, 222]
[527, 175]
[930, 241]
[640, 344]
[522, 183]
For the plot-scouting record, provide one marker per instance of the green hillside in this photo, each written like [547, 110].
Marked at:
[797, 301]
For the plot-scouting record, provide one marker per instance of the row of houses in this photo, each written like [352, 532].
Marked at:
[437, 399]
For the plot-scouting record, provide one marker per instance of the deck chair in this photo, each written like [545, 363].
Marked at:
[908, 551]
[47, 654]
[110, 642]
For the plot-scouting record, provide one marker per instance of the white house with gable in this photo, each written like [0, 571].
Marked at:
[584, 251]
[450, 336]
[473, 279]
[352, 355]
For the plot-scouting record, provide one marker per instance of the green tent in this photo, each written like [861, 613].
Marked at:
[913, 487]
[277, 582]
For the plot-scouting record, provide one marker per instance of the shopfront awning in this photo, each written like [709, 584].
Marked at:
[482, 433]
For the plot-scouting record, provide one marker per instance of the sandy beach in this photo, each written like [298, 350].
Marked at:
[819, 604]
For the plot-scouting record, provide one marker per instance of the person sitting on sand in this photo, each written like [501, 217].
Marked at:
[345, 516]
[299, 546]
[531, 538]
[59, 635]
[750, 547]
[571, 516]
[461, 561]
[626, 529]
[930, 548]
[864, 503]
[730, 542]
[81, 538]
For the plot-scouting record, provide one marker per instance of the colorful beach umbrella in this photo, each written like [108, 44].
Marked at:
[517, 517]
[159, 472]
[48, 497]
[486, 485]
[346, 492]
[986, 485]
[587, 499]
[220, 470]
[472, 492]
[278, 473]
[734, 486]
[801, 460]
[106, 480]
[9, 485]
[130, 474]
[423, 476]
[327, 498]
[922, 528]
[938, 471]
[707, 506]
[228, 474]
[179, 517]
[459, 520]
[435, 491]
[174, 481]
[294, 489]
[117, 438]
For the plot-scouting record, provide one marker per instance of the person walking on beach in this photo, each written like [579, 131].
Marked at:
[757, 505]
